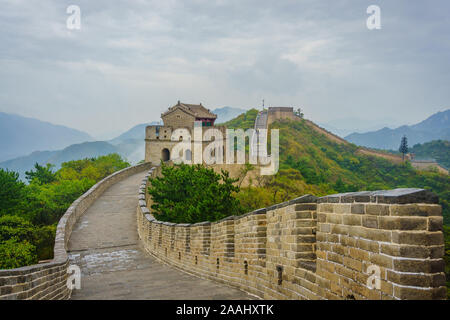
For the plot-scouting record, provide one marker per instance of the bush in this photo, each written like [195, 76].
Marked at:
[193, 194]
[15, 254]
[15, 227]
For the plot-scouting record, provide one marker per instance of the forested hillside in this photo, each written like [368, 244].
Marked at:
[438, 150]
[312, 163]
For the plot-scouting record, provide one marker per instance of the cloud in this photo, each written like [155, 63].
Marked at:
[131, 60]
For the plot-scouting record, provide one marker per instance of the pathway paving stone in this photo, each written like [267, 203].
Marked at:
[114, 264]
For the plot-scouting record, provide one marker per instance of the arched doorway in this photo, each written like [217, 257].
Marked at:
[165, 154]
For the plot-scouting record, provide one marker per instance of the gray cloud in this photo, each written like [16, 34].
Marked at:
[133, 59]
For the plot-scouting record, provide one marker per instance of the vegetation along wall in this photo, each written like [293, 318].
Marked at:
[49, 280]
[360, 245]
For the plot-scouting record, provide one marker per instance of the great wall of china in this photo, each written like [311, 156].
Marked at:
[313, 248]
[306, 248]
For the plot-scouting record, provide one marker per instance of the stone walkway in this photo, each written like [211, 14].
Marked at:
[114, 265]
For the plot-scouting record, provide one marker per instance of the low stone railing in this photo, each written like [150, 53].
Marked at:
[48, 280]
[362, 245]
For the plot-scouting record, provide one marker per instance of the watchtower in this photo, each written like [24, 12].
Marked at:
[160, 139]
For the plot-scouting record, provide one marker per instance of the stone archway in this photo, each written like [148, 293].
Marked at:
[165, 154]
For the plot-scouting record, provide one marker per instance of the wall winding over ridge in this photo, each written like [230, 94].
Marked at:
[313, 248]
[48, 280]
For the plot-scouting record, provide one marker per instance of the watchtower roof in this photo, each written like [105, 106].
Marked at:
[197, 110]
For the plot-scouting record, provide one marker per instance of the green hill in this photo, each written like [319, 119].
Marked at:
[438, 150]
[311, 162]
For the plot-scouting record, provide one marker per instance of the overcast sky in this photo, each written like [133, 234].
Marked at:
[131, 60]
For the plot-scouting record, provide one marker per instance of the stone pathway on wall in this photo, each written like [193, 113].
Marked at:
[114, 265]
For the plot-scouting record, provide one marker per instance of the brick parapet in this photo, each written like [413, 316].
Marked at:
[315, 248]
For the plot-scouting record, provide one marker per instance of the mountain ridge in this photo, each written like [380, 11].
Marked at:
[22, 135]
[435, 127]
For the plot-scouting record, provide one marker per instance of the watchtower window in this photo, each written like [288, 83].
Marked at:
[165, 154]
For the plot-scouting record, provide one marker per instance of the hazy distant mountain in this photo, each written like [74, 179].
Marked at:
[137, 132]
[20, 136]
[227, 113]
[345, 126]
[130, 145]
[436, 127]
[73, 152]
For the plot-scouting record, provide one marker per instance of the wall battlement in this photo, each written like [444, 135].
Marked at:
[313, 248]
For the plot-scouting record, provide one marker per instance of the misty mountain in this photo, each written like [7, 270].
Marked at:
[137, 132]
[227, 113]
[21, 135]
[345, 126]
[436, 127]
[131, 148]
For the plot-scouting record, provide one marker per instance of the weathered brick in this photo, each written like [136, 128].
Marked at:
[357, 208]
[381, 260]
[339, 229]
[415, 210]
[370, 221]
[378, 235]
[377, 209]
[325, 207]
[403, 223]
[353, 263]
[407, 251]
[321, 217]
[342, 208]
[331, 256]
[427, 266]
[416, 279]
[334, 219]
[418, 237]
[409, 293]
[324, 227]
[368, 245]
[306, 207]
[352, 219]
[435, 223]
[359, 254]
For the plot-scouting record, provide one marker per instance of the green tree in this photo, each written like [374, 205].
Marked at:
[41, 175]
[15, 227]
[193, 194]
[403, 149]
[15, 254]
[11, 191]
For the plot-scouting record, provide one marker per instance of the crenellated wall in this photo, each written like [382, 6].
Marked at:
[49, 280]
[313, 248]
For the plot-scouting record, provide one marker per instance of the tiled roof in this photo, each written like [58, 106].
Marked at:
[197, 110]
